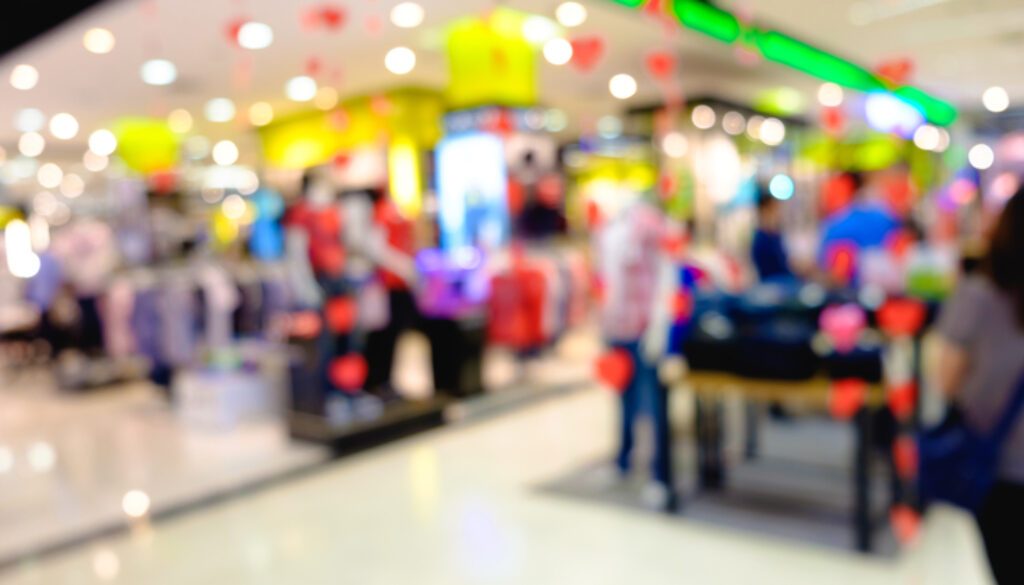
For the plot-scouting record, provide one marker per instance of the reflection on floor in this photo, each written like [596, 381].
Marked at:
[68, 460]
[799, 486]
[463, 505]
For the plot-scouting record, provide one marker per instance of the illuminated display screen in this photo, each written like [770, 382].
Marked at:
[472, 191]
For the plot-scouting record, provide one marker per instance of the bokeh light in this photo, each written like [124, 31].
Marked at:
[180, 121]
[29, 120]
[773, 132]
[220, 110]
[674, 144]
[981, 156]
[24, 77]
[558, 51]
[255, 36]
[225, 153]
[570, 14]
[400, 60]
[326, 98]
[158, 72]
[995, 99]
[781, 187]
[135, 504]
[98, 40]
[72, 186]
[50, 175]
[830, 95]
[407, 15]
[94, 162]
[103, 142]
[927, 137]
[261, 114]
[64, 126]
[622, 86]
[703, 117]
[734, 123]
[31, 144]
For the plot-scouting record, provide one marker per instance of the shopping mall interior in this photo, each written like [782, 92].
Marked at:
[511, 291]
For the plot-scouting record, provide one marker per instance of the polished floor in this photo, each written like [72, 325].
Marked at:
[463, 505]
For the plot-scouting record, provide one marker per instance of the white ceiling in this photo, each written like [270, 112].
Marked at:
[959, 47]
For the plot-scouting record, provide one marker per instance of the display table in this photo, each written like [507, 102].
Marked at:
[710, 387]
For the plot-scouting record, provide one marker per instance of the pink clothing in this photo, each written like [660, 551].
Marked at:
[628, 250]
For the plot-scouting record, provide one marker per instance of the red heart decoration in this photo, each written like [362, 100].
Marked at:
[904, 457]
[899, 243]
[586, 52]
[332, 17]
[842, 324]
[304, 325]
[341, 314]
[833, 120]
[897, 71]
[901, 317]
[682, 306]
[902, 399]
[846, 397]
[311, 19]
[615, 369]
[348, 372]
[841, 260]
[372, 24]
[660, 65]
[906, 523]
[312, 66]
[231, 30]
[837, 193]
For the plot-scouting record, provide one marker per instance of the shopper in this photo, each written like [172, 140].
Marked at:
[767, 251]
[982, 358]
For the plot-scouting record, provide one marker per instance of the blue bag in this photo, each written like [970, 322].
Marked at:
[958, 465]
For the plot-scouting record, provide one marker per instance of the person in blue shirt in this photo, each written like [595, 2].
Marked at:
[767, 250]
[866, 223]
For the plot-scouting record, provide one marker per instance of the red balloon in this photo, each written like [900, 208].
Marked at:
[660, 65]
[586, 52]
[846, 397]
[348, 372]
[905, 521]
[615, 369]
[904, 457]
[902, 399]
[341, 314]
[901, 317]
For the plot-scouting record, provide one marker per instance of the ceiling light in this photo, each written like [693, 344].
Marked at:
[102, 142]
[400, 60]
[255, 36]
[830, 95]
[927, 137]
[326, 98]
[407, 15]
[571, 14]
[943, 141]
[225, 153]
[72, 186]
[675, 145]
[180, 121]
[558, 51]
[622, 86]
[261, 114]
[135, 504]
[995, 99]
[98, 40]
[158, 72]
[773, 132]
[301, 88]
[42, 457]
[703, 117]
[94, 162]
[981, 156]
[50, 175]
[24, 77]
[29, 120]
[31, 144]
[754, 127]
[219, 110]
[538, 30]
[734, 123]
[64, 126]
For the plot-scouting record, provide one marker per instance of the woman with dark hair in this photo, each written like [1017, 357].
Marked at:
[981, 359]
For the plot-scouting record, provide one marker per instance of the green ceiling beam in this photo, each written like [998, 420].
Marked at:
[775, 46]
